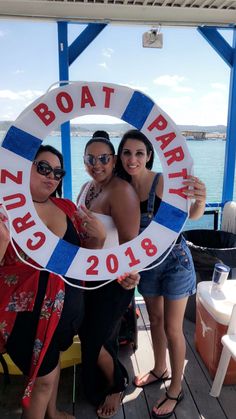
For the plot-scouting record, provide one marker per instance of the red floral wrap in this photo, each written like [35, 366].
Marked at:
[19, 285]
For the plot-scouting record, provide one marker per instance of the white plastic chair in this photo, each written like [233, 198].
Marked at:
[229, 350]
[229, 217]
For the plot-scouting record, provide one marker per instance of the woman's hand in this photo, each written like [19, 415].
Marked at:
[93, 227]
[4, 236]
[4, 232]
[195, 189]
[129, 280]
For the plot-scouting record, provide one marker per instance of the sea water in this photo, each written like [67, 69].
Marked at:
[208, 157]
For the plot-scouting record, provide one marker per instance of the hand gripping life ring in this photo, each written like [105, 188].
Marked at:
[23, 140]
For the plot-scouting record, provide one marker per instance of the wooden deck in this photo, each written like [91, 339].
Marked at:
[138, 403]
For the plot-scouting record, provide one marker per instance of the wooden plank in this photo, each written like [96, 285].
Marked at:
[154, 391]
[65, 390]
[83, 408]
[185, 409]
[10, 397]
[225, 404]
[134, 404]
[198, 388]
[138, 403]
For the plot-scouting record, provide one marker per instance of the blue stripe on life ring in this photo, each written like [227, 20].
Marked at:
[170, 217]
[138, 109]
[21, 143]
[62, 257]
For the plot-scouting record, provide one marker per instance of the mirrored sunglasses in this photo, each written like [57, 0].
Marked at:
[43, 168]
[92, 160]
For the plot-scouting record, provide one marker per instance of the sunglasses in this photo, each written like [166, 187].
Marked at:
[92, 160]
[43, 168]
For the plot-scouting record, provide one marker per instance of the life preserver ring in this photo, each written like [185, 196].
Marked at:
[23, 140]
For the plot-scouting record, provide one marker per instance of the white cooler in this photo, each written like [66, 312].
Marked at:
[213, 311]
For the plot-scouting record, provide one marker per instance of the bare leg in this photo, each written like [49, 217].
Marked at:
[112, 401]
[52, 412]
[105, 363]
[174, 314]
[155, 308]
[41, 394]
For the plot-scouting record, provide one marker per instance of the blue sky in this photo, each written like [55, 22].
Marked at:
[186, 78]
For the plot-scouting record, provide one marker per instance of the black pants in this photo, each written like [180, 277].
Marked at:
[104, 309]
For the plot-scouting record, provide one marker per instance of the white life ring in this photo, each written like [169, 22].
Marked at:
[23, 140]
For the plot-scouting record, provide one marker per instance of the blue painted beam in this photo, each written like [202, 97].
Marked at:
[67, 55]
[84, 40]
[230, 150]
[228, 54]
[220, 45]
[65, 128]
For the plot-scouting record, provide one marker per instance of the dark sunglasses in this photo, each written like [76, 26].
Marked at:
[43, 168]
[92, 160]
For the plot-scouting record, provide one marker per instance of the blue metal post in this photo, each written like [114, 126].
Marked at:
[228, 54]
[230, 151]
[63, 52]
[67, 55]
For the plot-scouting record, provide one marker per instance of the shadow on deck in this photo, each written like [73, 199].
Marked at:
[138, 403]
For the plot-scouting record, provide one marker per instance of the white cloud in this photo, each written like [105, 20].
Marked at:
[103, 65]
[107, 52]
[219, 86]
[173, 82]
[169, 81]
[136, 86]
[21, 95]
[18, 71]
[174, 101]
[12, 103]
[2, 34]
[183, 89]
[210, 109]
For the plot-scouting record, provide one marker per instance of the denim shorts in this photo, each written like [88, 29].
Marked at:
[174, 279]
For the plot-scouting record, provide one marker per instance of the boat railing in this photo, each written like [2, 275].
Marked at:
[215, 209]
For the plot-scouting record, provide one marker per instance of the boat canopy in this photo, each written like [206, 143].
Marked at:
[163, 12]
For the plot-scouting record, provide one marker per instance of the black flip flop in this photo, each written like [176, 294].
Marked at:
[157, 379]
[167, 415]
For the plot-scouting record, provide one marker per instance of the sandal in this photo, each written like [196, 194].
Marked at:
[157, 379]
[112, 411]
[167, 415]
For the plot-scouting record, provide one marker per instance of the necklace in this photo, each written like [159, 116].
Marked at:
[92, 194]
[40, 202]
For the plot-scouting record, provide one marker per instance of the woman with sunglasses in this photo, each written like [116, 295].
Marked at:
[166, 287]
[115, 203]
[40, 313]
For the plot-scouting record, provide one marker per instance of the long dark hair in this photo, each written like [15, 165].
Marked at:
[133, 134]
[50, 149]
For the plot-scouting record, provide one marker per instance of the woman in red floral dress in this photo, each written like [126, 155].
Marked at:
[39, 313]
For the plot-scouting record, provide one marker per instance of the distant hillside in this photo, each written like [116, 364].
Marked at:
[114, 129]
[83, 128]
[117, 129]
[221, 129]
